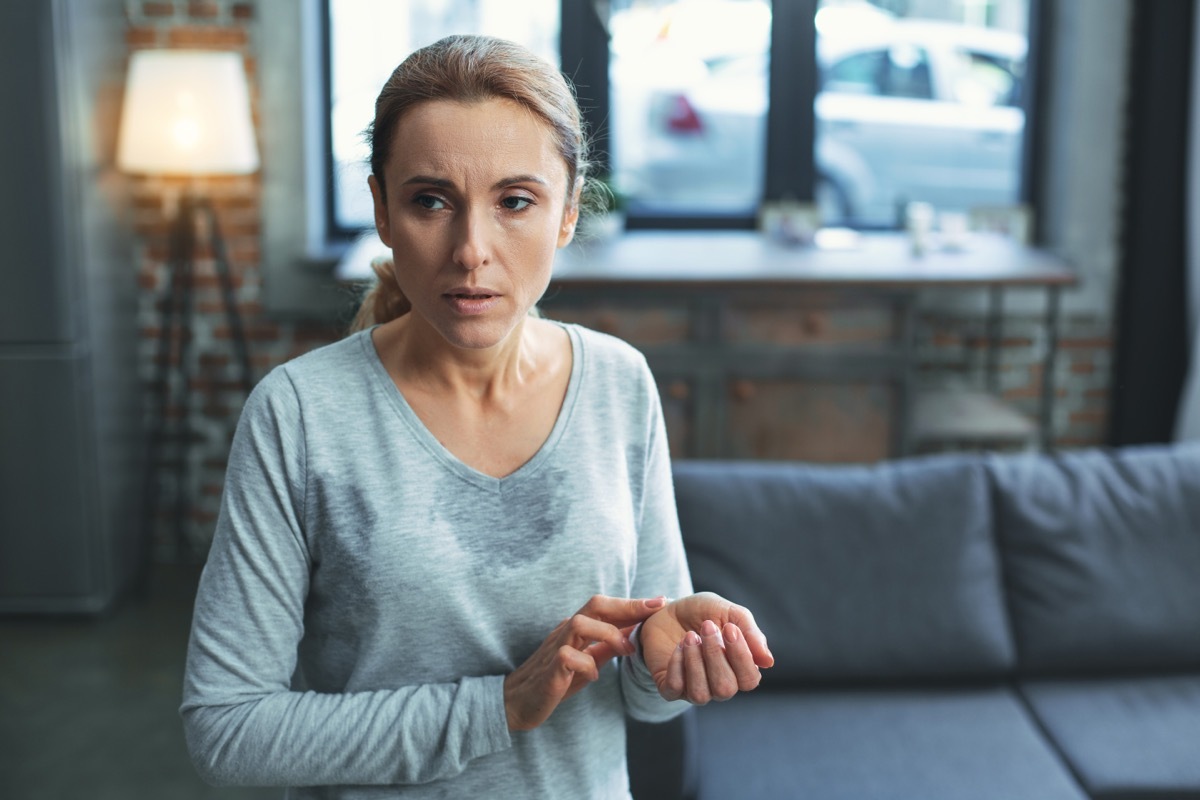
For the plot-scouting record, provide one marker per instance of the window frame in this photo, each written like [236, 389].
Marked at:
[584, 54]
[299, 254]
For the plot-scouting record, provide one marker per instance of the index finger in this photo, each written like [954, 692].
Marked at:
[755, 638]
[621, 611]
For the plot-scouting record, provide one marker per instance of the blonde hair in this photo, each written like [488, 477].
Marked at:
[384, 300]
[467, 69]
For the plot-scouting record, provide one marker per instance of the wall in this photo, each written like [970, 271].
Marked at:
[1081, 222]
[214, 394]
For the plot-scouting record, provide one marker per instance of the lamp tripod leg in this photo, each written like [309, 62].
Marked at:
[236, 330]
[185, 260]
[170, 302]
[156, 432]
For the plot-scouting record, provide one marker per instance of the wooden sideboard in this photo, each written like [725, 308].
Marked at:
[774, 352]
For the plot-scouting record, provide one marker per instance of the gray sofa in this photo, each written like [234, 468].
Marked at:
[954, 626]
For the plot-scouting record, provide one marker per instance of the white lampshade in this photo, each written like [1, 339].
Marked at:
[187, 112]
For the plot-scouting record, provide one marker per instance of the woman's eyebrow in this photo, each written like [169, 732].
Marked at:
[427, 180]
[445, 183]
[500, 184]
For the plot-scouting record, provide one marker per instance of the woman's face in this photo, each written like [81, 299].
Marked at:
[476, 208]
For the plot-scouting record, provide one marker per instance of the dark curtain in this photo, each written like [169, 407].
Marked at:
[1151, 350]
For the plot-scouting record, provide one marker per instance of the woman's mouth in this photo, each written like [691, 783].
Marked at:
[471, 301]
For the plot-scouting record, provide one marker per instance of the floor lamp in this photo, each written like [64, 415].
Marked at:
[186, 115]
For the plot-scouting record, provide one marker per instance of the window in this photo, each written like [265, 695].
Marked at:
[704, 108]
[367, 39]
[688, 109]
[901, 71]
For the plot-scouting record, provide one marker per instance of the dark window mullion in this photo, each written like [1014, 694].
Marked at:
[583, 48]
[333, 225]
[792, 86]
[1034, 101]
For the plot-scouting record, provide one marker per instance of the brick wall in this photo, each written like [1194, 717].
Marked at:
[214, 393]
[951, 348]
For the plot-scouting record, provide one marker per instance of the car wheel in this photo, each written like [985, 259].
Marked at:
[832, 204]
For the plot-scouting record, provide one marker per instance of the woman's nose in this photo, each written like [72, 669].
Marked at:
[472, 248]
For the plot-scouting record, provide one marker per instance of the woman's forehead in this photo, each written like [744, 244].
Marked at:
[492, 133]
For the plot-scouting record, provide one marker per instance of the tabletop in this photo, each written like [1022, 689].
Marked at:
[749, 259]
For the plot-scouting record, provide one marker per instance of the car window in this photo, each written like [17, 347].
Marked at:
[908, 73]
[980, 79]
[901, 71]
[857, 74]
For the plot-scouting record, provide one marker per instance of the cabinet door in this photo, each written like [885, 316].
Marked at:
[806, 420]
[678, 395]
[50, 535]
[35, 277]
[833, 398]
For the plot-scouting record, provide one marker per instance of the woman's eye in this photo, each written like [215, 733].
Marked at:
[428, 201]
[516, 203]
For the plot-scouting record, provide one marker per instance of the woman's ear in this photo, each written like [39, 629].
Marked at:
[381, 215]
[570, 215]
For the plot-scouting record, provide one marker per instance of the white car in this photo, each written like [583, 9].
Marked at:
[907, 110]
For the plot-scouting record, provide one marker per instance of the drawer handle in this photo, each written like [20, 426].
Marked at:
[744, 390]
[813, 325]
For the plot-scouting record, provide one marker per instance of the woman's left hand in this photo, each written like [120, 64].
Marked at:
[703, 648]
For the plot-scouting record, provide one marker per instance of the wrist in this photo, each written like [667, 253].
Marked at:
[635, 639]
[509, 719]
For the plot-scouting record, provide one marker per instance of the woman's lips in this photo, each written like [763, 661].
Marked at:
[469, 302]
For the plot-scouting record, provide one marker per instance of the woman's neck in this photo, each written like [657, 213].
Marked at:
[422, 359]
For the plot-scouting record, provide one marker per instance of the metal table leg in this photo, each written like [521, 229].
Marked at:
[1048, 394]
[995, 334]
[902, 439]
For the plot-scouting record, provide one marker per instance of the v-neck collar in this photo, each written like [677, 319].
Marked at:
[450, 461]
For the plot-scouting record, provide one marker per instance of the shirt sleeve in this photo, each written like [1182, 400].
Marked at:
[661, 563]
[243, 723]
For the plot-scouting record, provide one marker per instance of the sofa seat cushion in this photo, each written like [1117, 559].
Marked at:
[1127, 739]
[1101, 554]
[879, 744]
[855, 573]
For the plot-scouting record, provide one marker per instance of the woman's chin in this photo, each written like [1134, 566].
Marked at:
[478, 333]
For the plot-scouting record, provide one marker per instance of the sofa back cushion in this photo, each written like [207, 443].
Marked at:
[1101, 551]
[855, 573]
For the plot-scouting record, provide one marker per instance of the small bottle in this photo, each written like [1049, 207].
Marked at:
[919, 218]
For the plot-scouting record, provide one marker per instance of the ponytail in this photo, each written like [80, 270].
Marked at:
[384, 301]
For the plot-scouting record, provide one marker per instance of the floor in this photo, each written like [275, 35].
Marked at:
[89, 707]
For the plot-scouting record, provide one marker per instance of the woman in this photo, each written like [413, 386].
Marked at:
[431, 530]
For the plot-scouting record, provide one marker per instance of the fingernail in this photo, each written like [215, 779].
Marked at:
[692, 639]
[709, 628]
[657, 602]
[629, 648]
[731, 632]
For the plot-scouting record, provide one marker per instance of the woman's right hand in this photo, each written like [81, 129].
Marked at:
[571, 657]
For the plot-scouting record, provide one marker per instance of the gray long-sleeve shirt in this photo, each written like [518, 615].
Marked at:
[367, 592]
